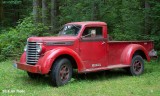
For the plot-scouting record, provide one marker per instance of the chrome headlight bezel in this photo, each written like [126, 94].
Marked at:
[25, 48]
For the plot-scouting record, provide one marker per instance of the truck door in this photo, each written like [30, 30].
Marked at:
[93, 47]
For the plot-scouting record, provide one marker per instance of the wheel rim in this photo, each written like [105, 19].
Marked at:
[64, 73]
[137, 67]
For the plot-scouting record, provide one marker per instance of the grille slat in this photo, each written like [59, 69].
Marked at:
[33, 48]
[33, 60]
[32, 54]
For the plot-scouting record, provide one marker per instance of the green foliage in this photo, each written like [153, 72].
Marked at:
[154, 12]
[14, 39]
[12, 2]
[15, 10]
[125, 19]
[122, 17]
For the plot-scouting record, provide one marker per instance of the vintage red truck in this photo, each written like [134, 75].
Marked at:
[84, 46]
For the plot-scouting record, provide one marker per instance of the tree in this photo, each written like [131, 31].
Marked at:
[44, 12]
[54, 14]
[36, 11]
[95, 10]
[147, 19]
[1, 12]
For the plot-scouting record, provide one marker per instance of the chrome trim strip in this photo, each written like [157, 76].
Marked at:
[60, 43]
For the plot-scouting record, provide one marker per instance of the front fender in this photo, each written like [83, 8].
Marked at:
[50, 56]
[129, 51]
[23, 58]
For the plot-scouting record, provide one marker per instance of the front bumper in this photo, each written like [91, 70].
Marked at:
[29, 68]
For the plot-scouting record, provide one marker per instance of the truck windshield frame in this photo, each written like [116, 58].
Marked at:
[70, 30]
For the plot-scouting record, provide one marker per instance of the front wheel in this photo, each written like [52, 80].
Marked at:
[61, 72]
[137, 66]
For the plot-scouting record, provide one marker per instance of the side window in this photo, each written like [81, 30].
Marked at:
[92, 32]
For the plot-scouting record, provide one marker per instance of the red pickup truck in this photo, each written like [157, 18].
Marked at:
[84, 46]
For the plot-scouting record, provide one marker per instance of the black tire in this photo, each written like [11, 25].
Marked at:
[137, 66]
[61, 72]
[34, 75]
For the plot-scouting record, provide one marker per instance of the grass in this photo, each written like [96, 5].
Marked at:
[14, 82]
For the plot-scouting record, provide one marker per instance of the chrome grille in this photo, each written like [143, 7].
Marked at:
[32, 54]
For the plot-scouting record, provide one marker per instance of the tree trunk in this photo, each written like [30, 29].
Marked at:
[95, 11]
[36, 11]
[44, 12]
[147, 20]
[1, 13]
[54, 14]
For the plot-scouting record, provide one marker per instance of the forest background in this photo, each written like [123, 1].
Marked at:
[126, 20]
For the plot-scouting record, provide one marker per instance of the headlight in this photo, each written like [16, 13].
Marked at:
[39, 48]
[25, 48]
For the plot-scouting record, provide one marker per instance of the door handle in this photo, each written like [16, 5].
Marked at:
[103, 43]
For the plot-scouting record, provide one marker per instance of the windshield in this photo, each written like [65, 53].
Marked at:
[70, 30]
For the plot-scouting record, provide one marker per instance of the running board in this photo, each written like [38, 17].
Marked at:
[105, 68]
[117, 66]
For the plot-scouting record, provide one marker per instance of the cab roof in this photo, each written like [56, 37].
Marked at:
[89, 23]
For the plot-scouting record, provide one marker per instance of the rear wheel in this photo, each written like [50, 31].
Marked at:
[137, 66]
[61, 72]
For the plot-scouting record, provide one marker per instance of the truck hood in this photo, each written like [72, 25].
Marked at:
[53, 39]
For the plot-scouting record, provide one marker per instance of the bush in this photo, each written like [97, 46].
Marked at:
[14, 39]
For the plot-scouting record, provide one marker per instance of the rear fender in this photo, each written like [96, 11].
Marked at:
[129, 51]
[50, 56]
